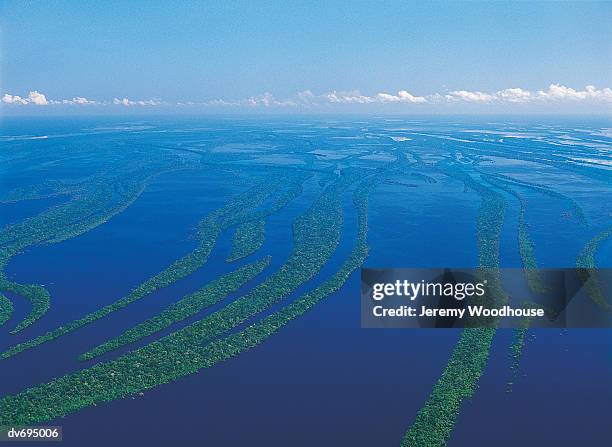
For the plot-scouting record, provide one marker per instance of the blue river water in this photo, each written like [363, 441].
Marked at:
[322, 379]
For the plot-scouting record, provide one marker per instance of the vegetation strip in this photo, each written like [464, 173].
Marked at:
[6, 309]
[102, 200]
[248, 238]
[587, 266]
[43, 190]
[435, 421]
[526, 247]
[176, 355]
[534, 280]
[517, 347]
[316, 235]
[188, 306]
[239, 209]
[577, 210]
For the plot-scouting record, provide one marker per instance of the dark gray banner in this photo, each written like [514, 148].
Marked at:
[510, 298]
[47, 433]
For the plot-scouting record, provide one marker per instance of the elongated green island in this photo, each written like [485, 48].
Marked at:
[248, 238]
[186, 307]
[183, 351]
[242, 208]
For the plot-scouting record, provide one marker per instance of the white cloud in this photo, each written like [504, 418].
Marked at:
[125, 102]
[604, 94]
[268, 100]
[306, 98]
[129, 103]
[402, 96]
[561, 92]
[464, 95]
[514, 95]
[264, 100]
[34, 97]
[78, 100]
[37, 98]
[356, 97]
[13, 99]
[557, 92]
[352, 97]
[221, 102]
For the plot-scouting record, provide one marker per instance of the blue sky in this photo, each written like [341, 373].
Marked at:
[447, 56]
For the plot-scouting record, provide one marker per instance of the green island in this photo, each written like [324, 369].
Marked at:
[44, 190]
[186, 307]
[182, 352]
[222, 334]
[37, 295]
[316, 235]
[97, 203]
[516, 349]
[435, 421]
[571, 203]
[241, 208]
[530, 267]
[526, 247]
[587, 269]
[248, 238]
[6, 309]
